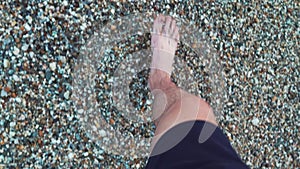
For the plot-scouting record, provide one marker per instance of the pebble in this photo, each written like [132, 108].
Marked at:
[18, 99]
[6, 63]
[29, 19]
[22, 117]
[16, 78]
[65, 3]
[102, 133]
[25, 47]
[85, 154]
[16, 51]
[71, 155]
[260, 78]
[27, 27]
[12, 124]
[53, 66]
[66, 95]
[255, 121]
[3, 93]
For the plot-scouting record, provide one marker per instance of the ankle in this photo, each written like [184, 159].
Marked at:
[159, 79]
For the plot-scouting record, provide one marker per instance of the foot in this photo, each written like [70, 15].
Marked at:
[164, 44]
[164, 40]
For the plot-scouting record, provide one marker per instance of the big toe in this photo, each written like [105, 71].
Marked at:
[167, 28]
[175, 34]
[158, 24]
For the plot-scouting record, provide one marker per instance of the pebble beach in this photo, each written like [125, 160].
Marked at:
[43, 60]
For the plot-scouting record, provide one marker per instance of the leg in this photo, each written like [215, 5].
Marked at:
[172, 105]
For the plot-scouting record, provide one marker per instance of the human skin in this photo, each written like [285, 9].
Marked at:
[172, 105]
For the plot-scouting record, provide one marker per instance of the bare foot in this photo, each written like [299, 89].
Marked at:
[172, 105]
[164, 40]
[164, 44]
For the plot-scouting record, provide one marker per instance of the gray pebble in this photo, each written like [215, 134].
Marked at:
[52, 66]
[6, 63]
[3, 93]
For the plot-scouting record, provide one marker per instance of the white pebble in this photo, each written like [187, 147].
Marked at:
[3, 93]
[12, 124]
[6, 63]
[85, 154]
[27, 27]
[65, 3]
[29, 19]
[71, 155]
[12, 134]
[205, 21]
[234, 37]
[67, 94]
[53, 66]
[18, 100]
[102, 133]
[16, 51]
[25, 47]
[22, 117]
[16, 78]
[229, 103]
[255, 121]
[112, 11]
[148, 102]
[31, 54]
[62, 59]
[100, 157]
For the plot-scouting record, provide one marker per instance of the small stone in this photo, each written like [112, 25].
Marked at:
[6, 63]
[80, 111]
[22, 117]
[102, 133]
[65, 3]
[16, 78]
[255, 121]
[12, 124]
[7, 89]
[12, 134]
[13, 95]
[3, 93]
[229, 103]
[41, 134]
[27, 27]
[85, 154]
[31, 54]
[148, 102]
[16, 51]
[20, 147]
[18, 99]
[71, 155]
[113, 27]
[62, 59]
[112, 11]
[25, 47]
[48, 74]
[13, 23]
[100, 157]
[206, 21]
[67, 94]
[29, 19]
[22, 28]
[53, 66]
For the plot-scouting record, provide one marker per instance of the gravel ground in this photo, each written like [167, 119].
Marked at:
[41, 43]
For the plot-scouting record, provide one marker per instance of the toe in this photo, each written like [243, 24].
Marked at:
[158, 24]
[168, 25]
[173, 25]
[176, 33]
